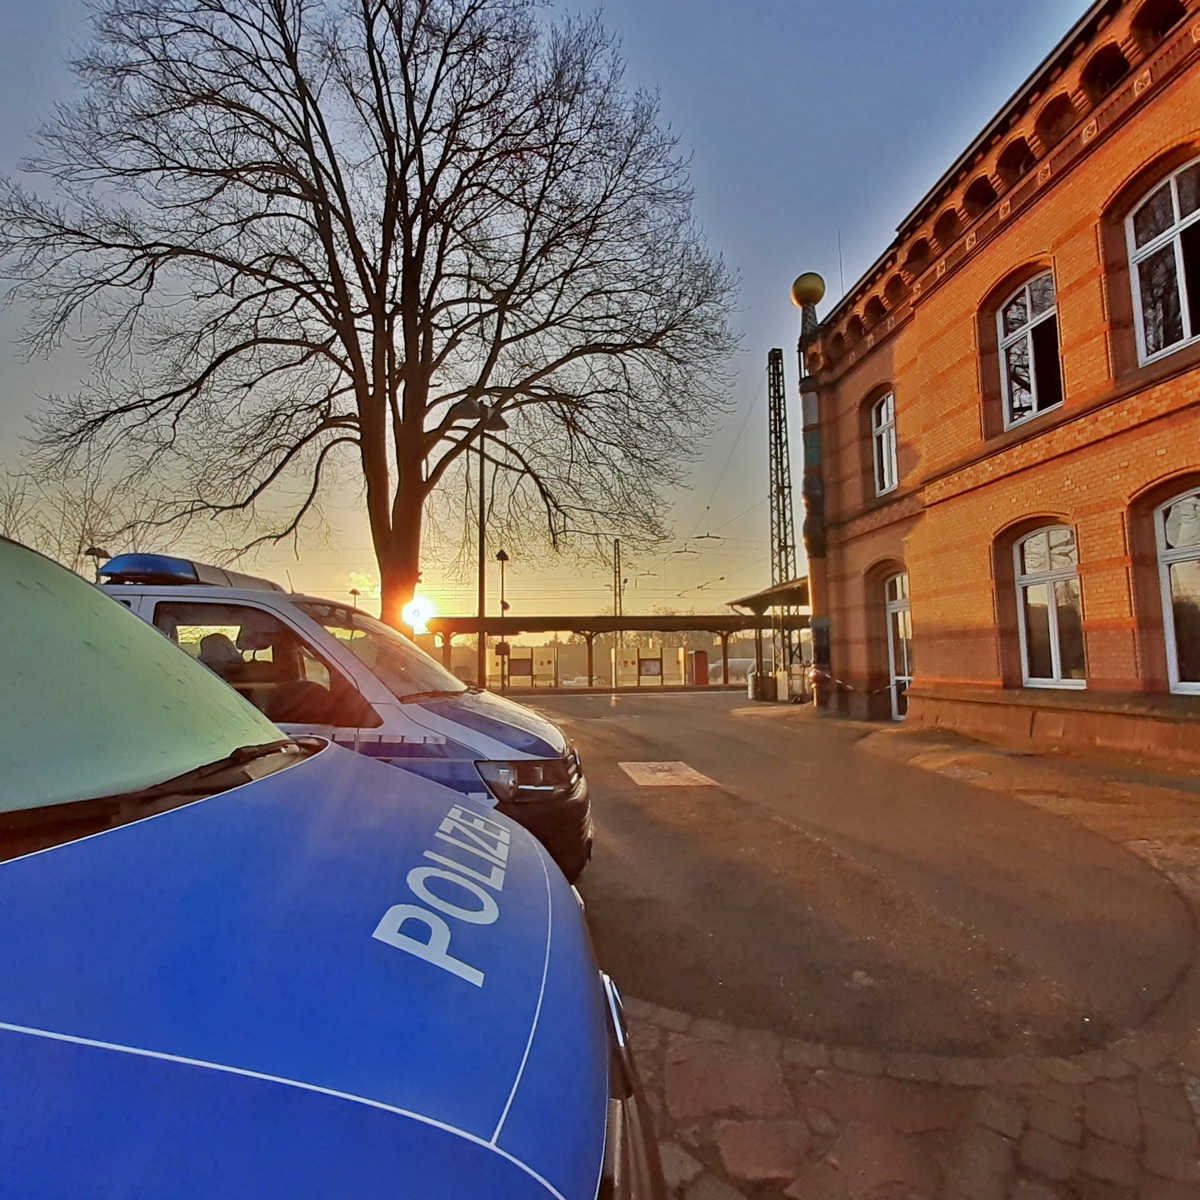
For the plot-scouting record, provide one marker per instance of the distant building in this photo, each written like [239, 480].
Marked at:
[1010, 414]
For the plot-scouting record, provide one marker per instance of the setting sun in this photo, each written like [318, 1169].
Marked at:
[418, 612]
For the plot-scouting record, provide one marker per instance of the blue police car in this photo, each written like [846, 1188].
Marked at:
[317, 666]
[242, 964]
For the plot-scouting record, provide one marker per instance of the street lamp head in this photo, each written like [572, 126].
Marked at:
[466, 409]
[96, 552]
[501, 556]
[809, 288]
[495, 422]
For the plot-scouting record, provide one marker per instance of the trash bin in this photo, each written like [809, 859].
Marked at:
[760, 687]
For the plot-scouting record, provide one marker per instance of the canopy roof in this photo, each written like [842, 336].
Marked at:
[792, 594]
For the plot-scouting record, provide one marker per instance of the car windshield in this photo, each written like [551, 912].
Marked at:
[95, 703]
[400, 665]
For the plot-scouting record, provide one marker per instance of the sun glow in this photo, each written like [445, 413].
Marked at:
[417, 612]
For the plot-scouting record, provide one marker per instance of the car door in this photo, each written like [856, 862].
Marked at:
[270, 663]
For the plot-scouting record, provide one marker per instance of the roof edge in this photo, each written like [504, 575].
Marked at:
[1097, 10]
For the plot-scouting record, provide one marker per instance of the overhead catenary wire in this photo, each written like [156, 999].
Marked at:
[758, 392]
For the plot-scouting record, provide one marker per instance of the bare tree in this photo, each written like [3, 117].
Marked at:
[303, 237]
[67, 515]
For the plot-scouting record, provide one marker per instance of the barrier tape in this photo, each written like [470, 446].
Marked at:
[816, 676]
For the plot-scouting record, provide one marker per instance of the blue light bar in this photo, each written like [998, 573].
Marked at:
[163, 569]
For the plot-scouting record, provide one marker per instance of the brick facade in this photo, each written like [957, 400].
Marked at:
[1114, 110]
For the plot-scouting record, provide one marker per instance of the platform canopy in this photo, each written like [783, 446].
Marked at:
[792, 594]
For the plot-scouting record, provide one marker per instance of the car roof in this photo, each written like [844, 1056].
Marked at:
[215, 592]
[170, 569]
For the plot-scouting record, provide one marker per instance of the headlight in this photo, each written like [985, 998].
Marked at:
[532, 779]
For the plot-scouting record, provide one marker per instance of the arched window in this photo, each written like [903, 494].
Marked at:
[1163, 233]
[1049, 610]
[1030, 372]
[1177, 530]
[883, 438]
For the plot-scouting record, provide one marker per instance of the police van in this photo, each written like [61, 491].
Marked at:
[320, 667]
[238, 963]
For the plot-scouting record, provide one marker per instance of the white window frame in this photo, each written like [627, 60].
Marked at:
[1025, 580]
[884, 465]
[1138, 254]
[893, 606]
[1166, 558]
[1025, 333]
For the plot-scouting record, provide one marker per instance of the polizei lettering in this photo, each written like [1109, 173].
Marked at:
[467, 871]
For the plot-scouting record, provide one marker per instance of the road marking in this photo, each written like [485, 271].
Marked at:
[665, 774]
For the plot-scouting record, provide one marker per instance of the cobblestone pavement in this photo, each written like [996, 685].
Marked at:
[742, 1112]
[745, 1113]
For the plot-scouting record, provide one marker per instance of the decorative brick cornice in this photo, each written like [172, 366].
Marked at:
[905, 274]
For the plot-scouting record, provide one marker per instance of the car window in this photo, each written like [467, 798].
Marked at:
[400, 665]
[93, 701]
[252, 650]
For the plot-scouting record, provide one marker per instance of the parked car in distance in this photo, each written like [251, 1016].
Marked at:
[242, 964]
[740, 670]
[321, 667]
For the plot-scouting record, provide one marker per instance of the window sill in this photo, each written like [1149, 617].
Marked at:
[1163, 367]
[1161, 356]
[1054, 685]
[1020, 426]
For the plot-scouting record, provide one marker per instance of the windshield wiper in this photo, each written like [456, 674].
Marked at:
[416, 697]
[24, 831]
[201, 780]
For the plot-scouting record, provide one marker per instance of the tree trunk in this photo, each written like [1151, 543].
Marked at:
[398, 581]
[400, 559]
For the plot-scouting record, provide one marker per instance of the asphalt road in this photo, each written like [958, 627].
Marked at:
[830, 895]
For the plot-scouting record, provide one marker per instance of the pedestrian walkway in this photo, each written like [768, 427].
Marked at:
[742, 1112]
[747, 1113]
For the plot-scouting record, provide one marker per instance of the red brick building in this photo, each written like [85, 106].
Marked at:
[1009, 409]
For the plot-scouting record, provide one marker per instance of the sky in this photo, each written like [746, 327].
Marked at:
[814, 128]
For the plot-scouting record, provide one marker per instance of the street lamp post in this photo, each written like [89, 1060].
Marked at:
[502, 558]
[97, 554]
[489, 418]
[618, 589]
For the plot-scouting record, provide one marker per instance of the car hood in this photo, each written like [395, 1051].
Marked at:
[494, 726]
[209, 1002]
